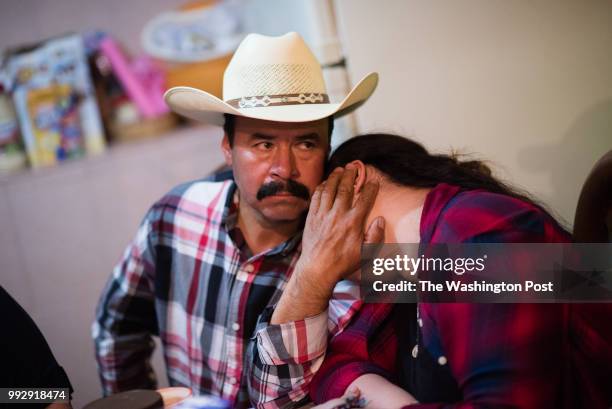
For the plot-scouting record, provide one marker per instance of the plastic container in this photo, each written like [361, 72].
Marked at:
[173, 395]
[203, 402]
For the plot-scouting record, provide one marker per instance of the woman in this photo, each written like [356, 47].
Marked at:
[453, 354]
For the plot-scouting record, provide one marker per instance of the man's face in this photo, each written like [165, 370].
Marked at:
[277, 165]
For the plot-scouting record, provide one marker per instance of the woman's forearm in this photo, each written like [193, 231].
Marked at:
[379, 393]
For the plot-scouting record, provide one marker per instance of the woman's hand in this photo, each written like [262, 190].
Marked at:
[371, 391]
[351, 398]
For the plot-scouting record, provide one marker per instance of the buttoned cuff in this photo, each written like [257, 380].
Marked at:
[295, 342]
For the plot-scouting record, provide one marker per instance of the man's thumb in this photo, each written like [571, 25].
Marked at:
[375, 232]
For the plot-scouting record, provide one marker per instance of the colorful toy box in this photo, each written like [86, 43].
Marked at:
[55, 101]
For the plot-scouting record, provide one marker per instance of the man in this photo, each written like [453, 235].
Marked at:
[210, 257]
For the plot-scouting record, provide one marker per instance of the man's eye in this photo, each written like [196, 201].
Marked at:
[307, 145]
[266, 146]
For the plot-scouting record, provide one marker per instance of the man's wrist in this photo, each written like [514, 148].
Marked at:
[311, 284]
[302, 297]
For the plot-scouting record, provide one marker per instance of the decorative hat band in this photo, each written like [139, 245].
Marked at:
[278, 100]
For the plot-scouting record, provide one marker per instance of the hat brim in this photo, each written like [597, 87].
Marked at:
[202, 106]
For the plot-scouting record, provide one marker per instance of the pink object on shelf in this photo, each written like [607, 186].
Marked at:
[154, 81]
[145, 89]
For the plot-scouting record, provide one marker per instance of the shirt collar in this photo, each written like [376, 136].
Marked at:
[230, 223]
[435, 203]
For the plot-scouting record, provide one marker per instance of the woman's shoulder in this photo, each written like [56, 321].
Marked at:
[483, 216]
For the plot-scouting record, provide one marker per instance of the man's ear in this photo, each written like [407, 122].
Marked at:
[362, 175]
[227, 150]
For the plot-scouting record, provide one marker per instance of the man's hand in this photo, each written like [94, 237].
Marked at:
[331, 244]
[335, 228]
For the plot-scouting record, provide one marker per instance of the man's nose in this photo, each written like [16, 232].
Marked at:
[283, 165]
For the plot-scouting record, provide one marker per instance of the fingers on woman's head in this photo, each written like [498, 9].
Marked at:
[315, 200]
[346, 188]
[367, 198]
[375, 233]
[328, 194]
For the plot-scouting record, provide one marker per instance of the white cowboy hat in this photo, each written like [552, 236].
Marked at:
[270, 78]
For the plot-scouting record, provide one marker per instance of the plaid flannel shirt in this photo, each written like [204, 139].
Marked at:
[189, 278]
[287, 356]
[501, 355]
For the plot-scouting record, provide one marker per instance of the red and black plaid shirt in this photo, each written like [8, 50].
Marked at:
[500, 355]
[189, 278]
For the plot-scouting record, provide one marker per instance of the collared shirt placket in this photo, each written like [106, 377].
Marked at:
[233, 325]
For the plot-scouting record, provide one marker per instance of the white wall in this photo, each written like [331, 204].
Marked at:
[63, 229]
[526, 84]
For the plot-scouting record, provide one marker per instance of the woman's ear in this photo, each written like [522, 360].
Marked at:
[362, 176]
[227, 150]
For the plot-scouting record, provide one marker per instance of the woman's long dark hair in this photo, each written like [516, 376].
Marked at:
[408, 163]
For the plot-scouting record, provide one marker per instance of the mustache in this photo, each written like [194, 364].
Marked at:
[290, 186]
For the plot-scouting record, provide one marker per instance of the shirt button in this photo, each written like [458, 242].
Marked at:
[442, 360]
[249, 268]
[235, 326]
[415, 351]
[233, 380]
